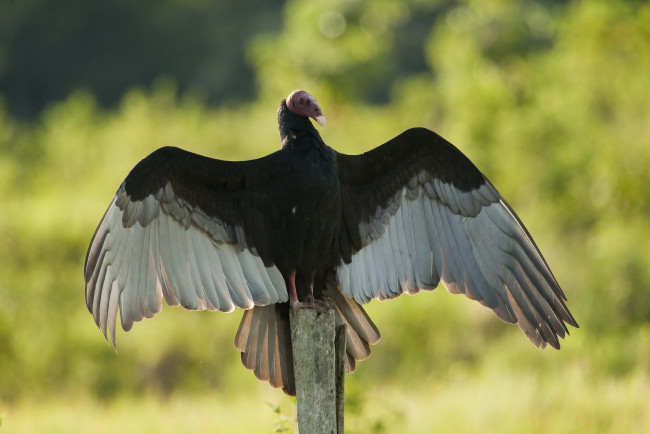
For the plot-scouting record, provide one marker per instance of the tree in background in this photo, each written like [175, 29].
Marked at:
[50, 48]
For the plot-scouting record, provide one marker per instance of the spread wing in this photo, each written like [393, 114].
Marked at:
[191, 229]
[417, 212]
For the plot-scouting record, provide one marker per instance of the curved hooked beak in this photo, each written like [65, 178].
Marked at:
[321, 120]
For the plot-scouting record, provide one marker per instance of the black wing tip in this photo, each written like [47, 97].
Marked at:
[571, 321]
[553, 340]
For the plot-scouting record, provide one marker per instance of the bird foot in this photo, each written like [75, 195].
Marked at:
[321, 306]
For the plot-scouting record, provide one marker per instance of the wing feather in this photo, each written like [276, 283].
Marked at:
[422, 248]
[437, 218]
[406, 281]
[474, 284]
[387, 250]
[162, 236]
[112, 311]
[477, 235]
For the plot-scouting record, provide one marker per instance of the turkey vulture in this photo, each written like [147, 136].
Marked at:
[308, 226]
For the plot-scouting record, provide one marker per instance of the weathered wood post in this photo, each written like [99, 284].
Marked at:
[313, 337]
[339, 344]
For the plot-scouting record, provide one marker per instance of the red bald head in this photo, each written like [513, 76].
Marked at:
[302, 103]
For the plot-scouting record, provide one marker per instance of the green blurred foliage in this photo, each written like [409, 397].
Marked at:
[550, 100]
[49, 48]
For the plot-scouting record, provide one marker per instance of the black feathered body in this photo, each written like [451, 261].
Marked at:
[313, 202]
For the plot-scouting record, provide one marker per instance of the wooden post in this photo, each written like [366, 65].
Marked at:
[315, 366]
[339, 344]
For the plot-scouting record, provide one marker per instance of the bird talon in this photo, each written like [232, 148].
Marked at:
[321, 306]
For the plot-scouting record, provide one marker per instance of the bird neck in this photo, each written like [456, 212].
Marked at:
[294, 127]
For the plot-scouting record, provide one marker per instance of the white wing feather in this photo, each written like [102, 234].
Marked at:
[161, 247]
[469, 241]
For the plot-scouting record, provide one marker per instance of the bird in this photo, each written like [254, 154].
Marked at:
[309, 227]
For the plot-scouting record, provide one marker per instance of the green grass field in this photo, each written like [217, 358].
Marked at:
[573, 400]
[506, 387]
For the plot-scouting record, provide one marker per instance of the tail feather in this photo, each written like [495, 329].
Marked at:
[361, 331]
[264, 338]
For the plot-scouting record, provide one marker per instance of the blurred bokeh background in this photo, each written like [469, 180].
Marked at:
[551, 99]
